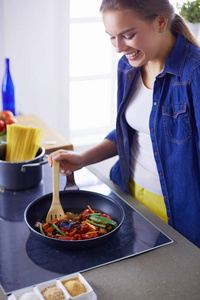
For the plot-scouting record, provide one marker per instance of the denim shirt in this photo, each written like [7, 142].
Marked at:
[174, 126]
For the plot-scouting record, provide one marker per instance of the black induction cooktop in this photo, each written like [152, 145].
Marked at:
[25, 261]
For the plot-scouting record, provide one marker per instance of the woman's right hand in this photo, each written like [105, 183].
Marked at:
[69, 161]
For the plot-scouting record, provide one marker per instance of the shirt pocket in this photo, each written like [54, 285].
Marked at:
[176, 123]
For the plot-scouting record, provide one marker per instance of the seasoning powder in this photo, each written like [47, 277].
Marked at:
[53, 293]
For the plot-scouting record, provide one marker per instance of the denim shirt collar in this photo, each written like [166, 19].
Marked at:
[176, 60]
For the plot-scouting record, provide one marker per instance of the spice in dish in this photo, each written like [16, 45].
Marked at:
[53, 293]
[74, 286]
[29, 296]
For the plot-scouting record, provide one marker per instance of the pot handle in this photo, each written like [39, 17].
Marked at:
[70, 183]
[23, 167]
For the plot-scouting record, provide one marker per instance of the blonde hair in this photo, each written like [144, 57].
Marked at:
[149, 9]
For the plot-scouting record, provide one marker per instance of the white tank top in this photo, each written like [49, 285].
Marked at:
[143, 166]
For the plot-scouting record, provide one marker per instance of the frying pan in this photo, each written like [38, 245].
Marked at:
[74, 201]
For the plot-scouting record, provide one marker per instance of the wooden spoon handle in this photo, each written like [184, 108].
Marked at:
[56, 171]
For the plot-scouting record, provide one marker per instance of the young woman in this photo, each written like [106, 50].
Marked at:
[157, 135]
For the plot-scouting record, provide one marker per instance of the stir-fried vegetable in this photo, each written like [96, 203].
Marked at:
[104, 220]
[58, 230]
[41, 229]
[86, 225]
[96, 224]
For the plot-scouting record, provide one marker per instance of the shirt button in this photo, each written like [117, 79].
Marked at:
[160, 174]
[155, 103]
[169, 218]
[152, 129]
[165, 196]
[156, 153]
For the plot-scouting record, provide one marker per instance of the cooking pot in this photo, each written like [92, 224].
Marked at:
[74, 201]
[21, 175]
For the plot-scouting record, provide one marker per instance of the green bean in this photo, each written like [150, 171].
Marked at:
[41, 229]
[59, 231]
[96, 224]
[96, 214]
[104, 220]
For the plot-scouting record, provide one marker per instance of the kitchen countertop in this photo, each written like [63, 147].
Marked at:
[170, 272]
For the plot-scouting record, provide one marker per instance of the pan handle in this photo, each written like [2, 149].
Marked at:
[23, 167]
[70, 183]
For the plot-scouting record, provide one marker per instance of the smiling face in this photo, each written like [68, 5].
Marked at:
[138, 39]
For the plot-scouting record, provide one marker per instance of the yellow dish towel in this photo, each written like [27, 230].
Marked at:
[152, 201]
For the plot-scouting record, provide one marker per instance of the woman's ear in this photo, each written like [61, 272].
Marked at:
[162, 23]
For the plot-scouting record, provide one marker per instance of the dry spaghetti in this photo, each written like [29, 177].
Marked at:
[23, 142]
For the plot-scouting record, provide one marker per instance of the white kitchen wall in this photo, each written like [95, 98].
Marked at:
[34, 35]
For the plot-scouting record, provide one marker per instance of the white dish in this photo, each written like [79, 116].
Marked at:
[82, 280]
[16, 295]
[40, 287]
[88, 295]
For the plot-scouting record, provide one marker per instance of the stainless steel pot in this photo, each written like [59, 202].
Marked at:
[21, 175]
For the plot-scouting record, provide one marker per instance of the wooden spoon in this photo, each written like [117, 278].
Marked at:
[56, 210]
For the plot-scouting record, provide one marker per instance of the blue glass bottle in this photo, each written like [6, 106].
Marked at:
[8, 90]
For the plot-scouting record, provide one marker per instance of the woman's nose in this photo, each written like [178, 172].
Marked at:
[119, 45]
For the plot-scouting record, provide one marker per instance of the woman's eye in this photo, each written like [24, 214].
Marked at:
[112, 37]
[129, 37]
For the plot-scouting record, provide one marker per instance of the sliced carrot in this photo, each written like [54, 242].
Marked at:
[90, 209]
[92, 232]
[90, 225]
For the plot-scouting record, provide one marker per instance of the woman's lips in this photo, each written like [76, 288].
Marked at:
[133, 56]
